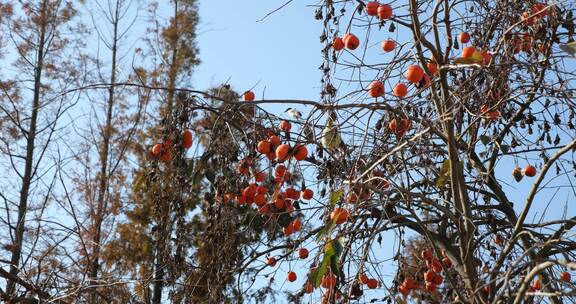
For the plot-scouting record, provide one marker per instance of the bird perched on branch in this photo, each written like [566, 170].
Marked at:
[294, 113]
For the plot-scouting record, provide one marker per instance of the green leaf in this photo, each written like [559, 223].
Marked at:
[444, 174]
[318, 273]
[485, 139]
[335, 197]
[334, 265]
[337, 246]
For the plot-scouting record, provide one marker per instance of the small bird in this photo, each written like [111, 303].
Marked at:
[294, 113]
[331, 136]
[569, 48]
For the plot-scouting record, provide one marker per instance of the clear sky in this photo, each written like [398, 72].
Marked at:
[279, 55]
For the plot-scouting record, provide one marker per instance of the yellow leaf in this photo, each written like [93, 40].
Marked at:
[476, 58]
[444, 174]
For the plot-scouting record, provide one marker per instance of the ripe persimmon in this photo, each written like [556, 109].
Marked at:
[426, 254]
[274, 140]
[308, 288]
[328, 281]
[260, 199]
[464, 37]
[565, 276]
[156, 150]
[288, 230]
[498, 240]
[248, 192]
[280, 170]
[529, 171]
[536, 284]
[263, 147]
[271, 261]
[261, 190]
[486, 57]
[241, 199]
[300, 152]
[296, 225]
[307, 194]
[260, 177]
[279, 203]
[338, 44]
[249, 96]
[340, 215]
[372, 283]
[388, 45]
[527, 19]
[372, 8]
[303, 253]
[166, 156]
[384, 11]
[376, 89]
[285, 126]
[447, 262]
[414, 74]
[404, 290]
[282, 152]
[433, 67]
[468, 51]
[410, 283]
[438, 279]
[187, 139]
[292, 276]
[400, 90]
[291, 193]
[431, 287]
[271, 155]
[435, 265]
[351, 41]
[364, 278]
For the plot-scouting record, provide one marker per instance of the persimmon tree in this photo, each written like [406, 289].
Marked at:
[410, 139]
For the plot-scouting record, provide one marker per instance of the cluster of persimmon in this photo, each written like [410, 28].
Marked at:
[351, 42]
[303, 254]
[519, 173]
[369, 282]
[536, 285]
[432, 277]
[399, 126]
[163, 151]
[328, 282]
[532, 20]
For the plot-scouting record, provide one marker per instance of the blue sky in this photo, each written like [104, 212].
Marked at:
[279, 55]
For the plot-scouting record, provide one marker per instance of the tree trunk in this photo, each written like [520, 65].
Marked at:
[103, 180]
[29, 160]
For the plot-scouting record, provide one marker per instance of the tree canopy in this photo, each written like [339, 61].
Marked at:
[435, 165]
